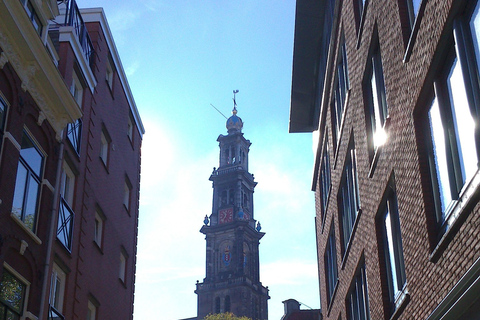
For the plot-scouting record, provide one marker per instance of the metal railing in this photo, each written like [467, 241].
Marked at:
[65, 224]
[73, 18]
[74, 132]
[53, 314]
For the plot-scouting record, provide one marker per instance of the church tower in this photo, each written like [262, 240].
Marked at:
[232, 281]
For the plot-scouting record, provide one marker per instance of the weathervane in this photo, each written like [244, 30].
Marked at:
[234, 101]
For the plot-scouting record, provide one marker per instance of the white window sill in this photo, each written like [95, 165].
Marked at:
[27, 230]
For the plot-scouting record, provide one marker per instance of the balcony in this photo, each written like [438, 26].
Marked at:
[65, 224]
[53, 314]
[73, 18]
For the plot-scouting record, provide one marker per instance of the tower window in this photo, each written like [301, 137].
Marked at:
[217, 305]
[227, 304]
[231, 196]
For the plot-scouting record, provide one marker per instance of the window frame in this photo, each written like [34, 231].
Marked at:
[458, 186]
[325, 180]
[91, 310]
[348, 187]
[105, 142]
[33, 16]
[99, 227]
[122, 272]
[391, 252]
[56, 301]
[29, 174]
[340, 91]
[375, 100]
[357, 296]
[25, 291]
[331, 266]
[4, 107]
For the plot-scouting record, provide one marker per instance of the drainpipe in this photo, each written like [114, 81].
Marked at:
[51, 234]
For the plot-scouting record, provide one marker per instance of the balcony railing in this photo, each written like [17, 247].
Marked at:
[53, 314]
[65, 224]
[74, 132]
[73, 18]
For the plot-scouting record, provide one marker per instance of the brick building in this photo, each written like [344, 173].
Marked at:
[393, 88]
[69, 165]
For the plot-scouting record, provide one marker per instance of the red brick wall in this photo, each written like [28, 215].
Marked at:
[428, 281]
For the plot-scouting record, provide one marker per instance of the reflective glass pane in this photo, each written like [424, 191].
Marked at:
[31, 155]
[475, 27]
[416, 6]
[2, 114]
[31, 203]
[391, 250]
[20, 185]
[12, 292]
[440, 155]
[463, 123]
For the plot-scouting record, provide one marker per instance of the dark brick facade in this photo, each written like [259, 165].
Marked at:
[83, 243]
[436, 264]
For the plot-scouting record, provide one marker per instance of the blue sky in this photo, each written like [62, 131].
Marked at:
[180, 57]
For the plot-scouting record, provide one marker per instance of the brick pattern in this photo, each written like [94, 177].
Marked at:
[399, 159]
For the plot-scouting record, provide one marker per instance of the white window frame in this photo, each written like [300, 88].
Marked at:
[91, 311]
[122, 272]
[76, 89]
[99, 228]
[68, 185]
[104, 147]
[57, 288]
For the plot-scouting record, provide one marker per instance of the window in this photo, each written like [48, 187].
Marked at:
[392, 250]
[74, 134]
[66, 214]
[33, 16]
[127, 194]
[130, 127]
[331, 270]
[341, 87]
[217, 305]
[109, 73]
[77, 89]
[413, 8]
[123, 266]
[91, 311]
[357, 298]
[28, 182]
[57, 292]
[325, 181]
[104, 147]
[99, 219]
[3, 116]
[453, 146]
[12, 296]
[68, 184]
[227, 304]
[348, 199]
[359, 8]
[375, 102]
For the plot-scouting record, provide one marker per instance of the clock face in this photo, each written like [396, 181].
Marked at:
[225, 215]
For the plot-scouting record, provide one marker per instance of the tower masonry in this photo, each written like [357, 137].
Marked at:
[232, 281]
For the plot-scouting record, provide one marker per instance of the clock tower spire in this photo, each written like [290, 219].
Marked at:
[232, 281]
